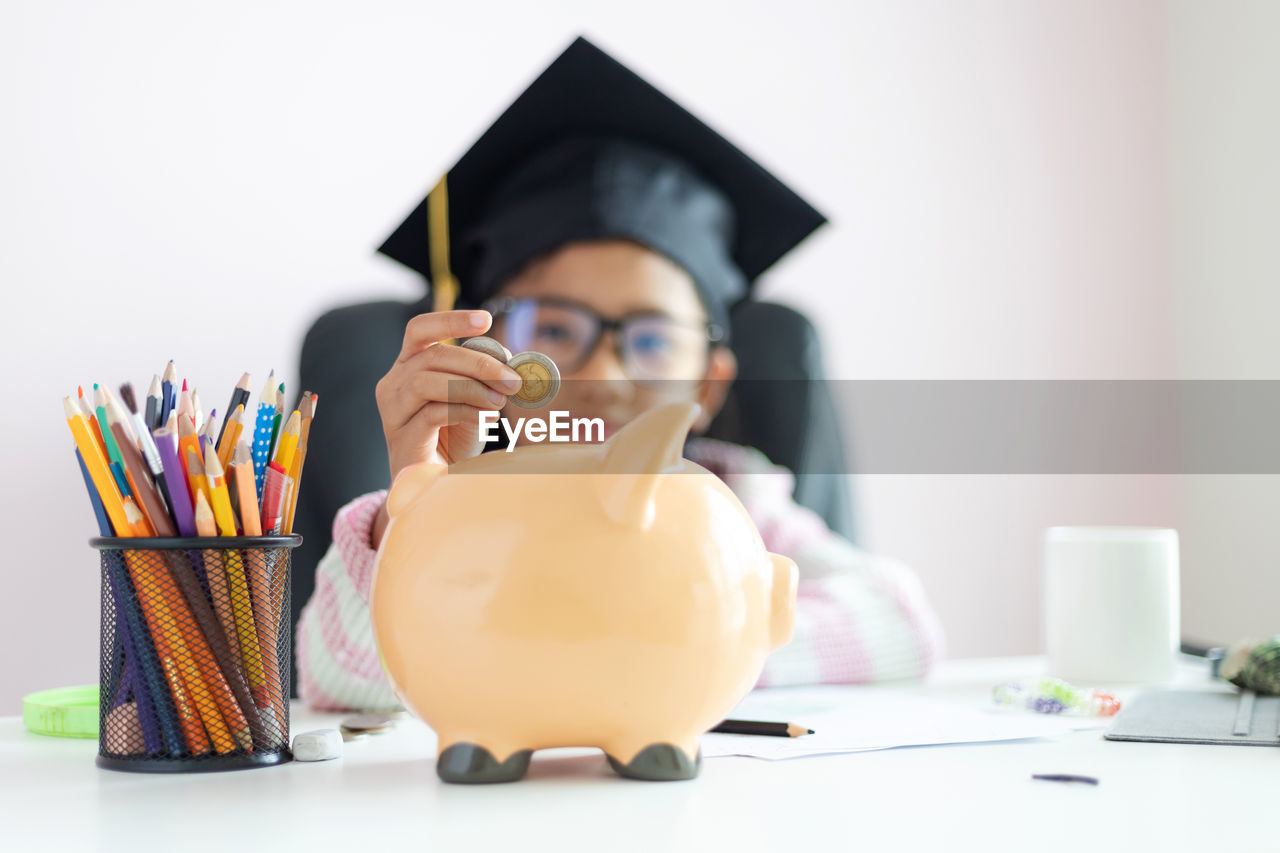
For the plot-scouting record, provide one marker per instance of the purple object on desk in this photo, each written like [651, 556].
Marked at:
[179, 492]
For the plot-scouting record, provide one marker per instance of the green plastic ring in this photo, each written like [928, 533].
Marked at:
[62, 712]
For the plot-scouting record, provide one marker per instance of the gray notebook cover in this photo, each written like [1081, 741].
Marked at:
[1197, 716]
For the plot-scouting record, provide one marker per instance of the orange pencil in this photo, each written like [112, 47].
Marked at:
[195, 470]
[308, 409]
[223, 719]
[265, 594]
[230, 435]
[218, 590]
[241, 607]
[190, 695]
[128, 521]
[245, 488]
[189, 444]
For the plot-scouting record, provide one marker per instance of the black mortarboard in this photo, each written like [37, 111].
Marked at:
[592, 151]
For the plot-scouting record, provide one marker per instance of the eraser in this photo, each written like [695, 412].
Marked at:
[318, 745]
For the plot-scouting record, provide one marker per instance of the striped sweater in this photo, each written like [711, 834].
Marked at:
[859, 617]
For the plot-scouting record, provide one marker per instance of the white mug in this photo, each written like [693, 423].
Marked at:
[1111, 603]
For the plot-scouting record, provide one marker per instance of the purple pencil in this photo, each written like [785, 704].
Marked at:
[179, 493]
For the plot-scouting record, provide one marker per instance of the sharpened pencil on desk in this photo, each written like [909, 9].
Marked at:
[757, 727]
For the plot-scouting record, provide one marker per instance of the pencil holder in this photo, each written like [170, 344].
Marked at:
[196, 644]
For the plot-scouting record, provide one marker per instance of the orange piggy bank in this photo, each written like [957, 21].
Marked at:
[613, 596]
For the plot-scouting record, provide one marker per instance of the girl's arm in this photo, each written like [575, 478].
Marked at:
[338, 666]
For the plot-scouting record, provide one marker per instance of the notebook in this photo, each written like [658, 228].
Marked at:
[1197, 716]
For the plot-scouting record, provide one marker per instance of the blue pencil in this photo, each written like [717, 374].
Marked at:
[262, 432]
[168, 393]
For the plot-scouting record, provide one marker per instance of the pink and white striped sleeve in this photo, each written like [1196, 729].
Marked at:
[338, 667]
[859, 617]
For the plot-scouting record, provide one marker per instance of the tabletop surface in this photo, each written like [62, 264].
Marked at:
[384, 791]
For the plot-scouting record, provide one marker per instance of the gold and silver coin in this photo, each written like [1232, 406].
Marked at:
[541, 379]
[540, 374]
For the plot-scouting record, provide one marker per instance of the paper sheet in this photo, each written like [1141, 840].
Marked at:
[851, 719]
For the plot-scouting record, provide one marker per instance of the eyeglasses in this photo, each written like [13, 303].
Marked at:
[650, 347]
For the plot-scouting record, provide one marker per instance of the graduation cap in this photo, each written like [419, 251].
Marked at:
[592, 151]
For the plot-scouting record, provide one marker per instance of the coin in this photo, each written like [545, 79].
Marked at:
[488, 346]
[541, 379]
[370, 723]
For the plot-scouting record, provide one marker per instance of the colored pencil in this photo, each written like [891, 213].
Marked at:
[91, 419]
[275, 421]
[208, 432]
[240, 709]
[175, 478]
[152, 415]
[241, 607]
[116, 412]
[231, 429]
[113, 451]
[141, 486]
[189, 446]
[262, 432]
[168, 397]
[155, 711]
[190, 694]
[147, 445]
[308, 410]
[208, 689]
[95, 461]
[219, 499]
[239, 397]
[273, 493]
[245, 488]
[197, 412]
[287, 446]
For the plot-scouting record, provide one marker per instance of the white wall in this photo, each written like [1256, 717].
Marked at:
[1225, 123]
[199, 182]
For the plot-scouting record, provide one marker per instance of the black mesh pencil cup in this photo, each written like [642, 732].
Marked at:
[196, 646]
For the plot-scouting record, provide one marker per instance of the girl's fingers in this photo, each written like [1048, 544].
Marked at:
[401, 400]
[432, 387]
[431, 429]
[467, 363]
[426, 330]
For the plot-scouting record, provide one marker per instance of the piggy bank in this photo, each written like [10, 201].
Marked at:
[613, 596]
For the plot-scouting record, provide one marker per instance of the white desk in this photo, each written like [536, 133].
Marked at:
[384, 791]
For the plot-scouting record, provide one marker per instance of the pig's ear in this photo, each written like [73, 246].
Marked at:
[636, 455]
[410, 483]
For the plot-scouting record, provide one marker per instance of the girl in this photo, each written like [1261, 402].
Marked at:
[615, 242]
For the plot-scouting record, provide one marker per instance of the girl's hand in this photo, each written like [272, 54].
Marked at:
[431, 398]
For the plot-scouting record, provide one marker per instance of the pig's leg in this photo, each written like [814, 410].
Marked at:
[469, 763]
[659, 762]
